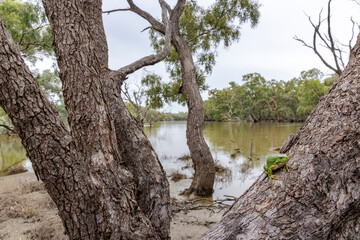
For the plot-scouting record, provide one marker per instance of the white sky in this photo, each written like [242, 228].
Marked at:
[269, 49]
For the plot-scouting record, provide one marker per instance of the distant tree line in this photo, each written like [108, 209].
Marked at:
[259, 99]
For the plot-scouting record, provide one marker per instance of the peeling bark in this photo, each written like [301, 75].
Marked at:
[320, 197]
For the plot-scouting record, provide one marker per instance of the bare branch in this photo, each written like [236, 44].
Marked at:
[147, 16]
[155, 58]
[117, 10]
[328, 41]
[353, 34]
[332, 49]
[176, 13]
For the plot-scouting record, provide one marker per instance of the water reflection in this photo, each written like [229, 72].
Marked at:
[231, 145]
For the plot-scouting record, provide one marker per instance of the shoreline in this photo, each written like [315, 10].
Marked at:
[27, 212]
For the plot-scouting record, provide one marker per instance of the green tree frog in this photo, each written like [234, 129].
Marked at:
[274, 162]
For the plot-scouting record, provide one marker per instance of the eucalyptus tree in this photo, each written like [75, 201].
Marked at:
[195, 37]
[101, 172]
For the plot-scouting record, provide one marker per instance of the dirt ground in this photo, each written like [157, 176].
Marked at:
[28, 213]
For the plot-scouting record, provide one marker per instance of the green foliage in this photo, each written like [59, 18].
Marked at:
[28, 26]
[154, 90]
[4, 120]
[330, 80]
[259, 99]
[309, 93]
[155, 116]
[204, 30]
[49, 81]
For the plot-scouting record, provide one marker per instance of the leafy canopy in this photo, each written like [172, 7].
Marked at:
[29, 28]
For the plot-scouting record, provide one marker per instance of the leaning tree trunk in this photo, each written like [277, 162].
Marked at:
[86, 173]
[203, 181]
[320, 197]
[203, 163]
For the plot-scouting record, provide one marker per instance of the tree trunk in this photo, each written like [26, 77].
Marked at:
[99, 193]
[320, 197]
[203, 163]
[140, 158]
[203, 181]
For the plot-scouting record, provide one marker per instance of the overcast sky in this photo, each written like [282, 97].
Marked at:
[269, 49]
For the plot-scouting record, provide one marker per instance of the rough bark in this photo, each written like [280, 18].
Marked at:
[89, 210]
[93, 183]
[320, 197]
[152, 192]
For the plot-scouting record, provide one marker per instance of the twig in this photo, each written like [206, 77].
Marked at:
[8, 128]
[117, 10]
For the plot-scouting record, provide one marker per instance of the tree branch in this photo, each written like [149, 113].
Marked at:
[34, 44]
[8, 128]
[27, 32]
[147, 16]
[329, 42]
[332, 44]
[117, 10]
[151, 59]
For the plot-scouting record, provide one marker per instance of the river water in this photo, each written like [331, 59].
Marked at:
[255, 141]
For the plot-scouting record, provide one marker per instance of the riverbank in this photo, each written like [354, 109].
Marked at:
[27, 212]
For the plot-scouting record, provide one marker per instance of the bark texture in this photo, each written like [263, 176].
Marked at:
[151, 190]
[99, 192]
[320, 197]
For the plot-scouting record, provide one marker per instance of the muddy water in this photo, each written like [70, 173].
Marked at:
[255, 141]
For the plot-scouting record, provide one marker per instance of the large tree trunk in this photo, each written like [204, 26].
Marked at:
[203, 163]
[320, 197]
[94, 195]
[92, 180]
[152, 191]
